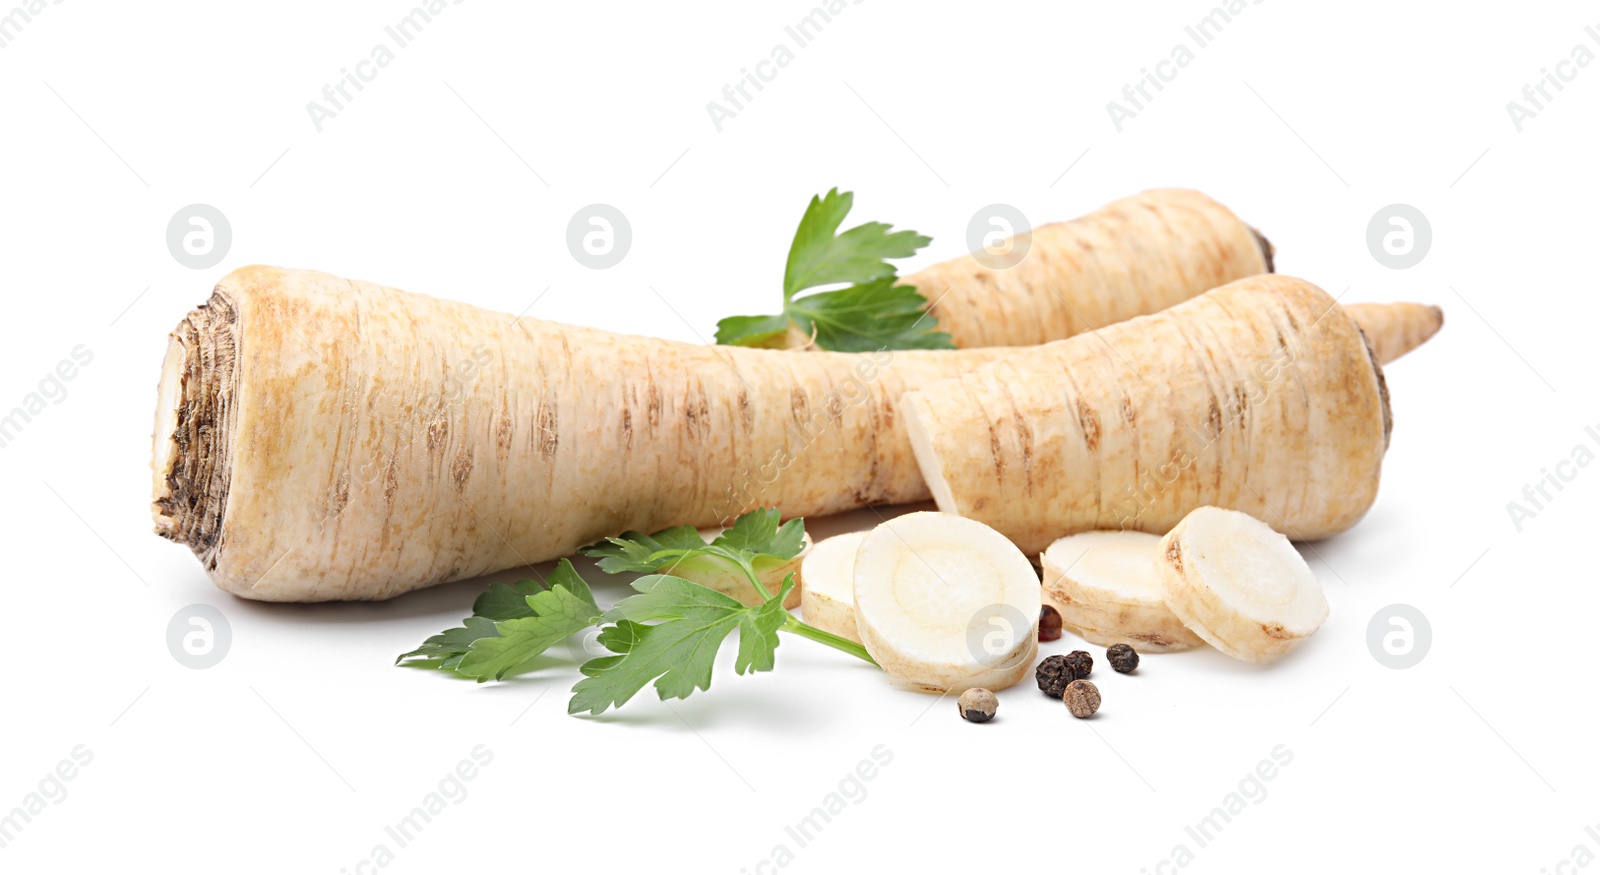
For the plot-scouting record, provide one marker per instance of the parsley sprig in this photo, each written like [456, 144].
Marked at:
[871, 312]
[666, 634]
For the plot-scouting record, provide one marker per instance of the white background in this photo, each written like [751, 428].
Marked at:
[455, 173]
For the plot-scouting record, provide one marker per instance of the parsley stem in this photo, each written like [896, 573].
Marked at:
[837, 643]
[749, 570]
[790, 624]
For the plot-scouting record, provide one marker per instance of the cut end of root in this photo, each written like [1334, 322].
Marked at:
[194, 428]
[927, 457]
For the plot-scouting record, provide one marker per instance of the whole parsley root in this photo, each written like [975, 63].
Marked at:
[1132, 257]
[319, 438]
[1261, 396]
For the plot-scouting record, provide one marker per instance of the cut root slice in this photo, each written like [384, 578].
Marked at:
[1107, 588]
[1239, 585]
[828, 601]
[729, 580]
[945, 604]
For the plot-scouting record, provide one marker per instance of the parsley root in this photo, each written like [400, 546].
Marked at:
[323, 439]
[1261, 396]
[1132, 257]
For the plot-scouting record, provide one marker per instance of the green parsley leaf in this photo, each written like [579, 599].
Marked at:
[553, 614]
[511, 624]
[870, 316]
[821, 256]
[755, 539]
[676, 652]
[760, 331]
[448, 647]
[507, 601]
[870, 313]
[668, 633]
[758, 533]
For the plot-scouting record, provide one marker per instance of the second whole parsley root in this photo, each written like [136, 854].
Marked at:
[1132, 257]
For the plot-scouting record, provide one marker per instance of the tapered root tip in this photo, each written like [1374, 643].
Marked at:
[1396, 329]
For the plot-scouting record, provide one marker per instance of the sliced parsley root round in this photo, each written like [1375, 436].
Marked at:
[829, 573]
[320, 438]
[946, 604]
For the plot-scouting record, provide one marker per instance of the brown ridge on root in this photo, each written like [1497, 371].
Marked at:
[1267, 249]
[1383, 386]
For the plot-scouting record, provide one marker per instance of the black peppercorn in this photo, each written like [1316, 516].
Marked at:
[1122, 658]
[1082, 698]
[1053, 675]
[977, 705]
[1082, 663]
[1049, 624]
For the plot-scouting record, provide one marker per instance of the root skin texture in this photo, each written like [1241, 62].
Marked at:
[1133, 256]
[1261, 396]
